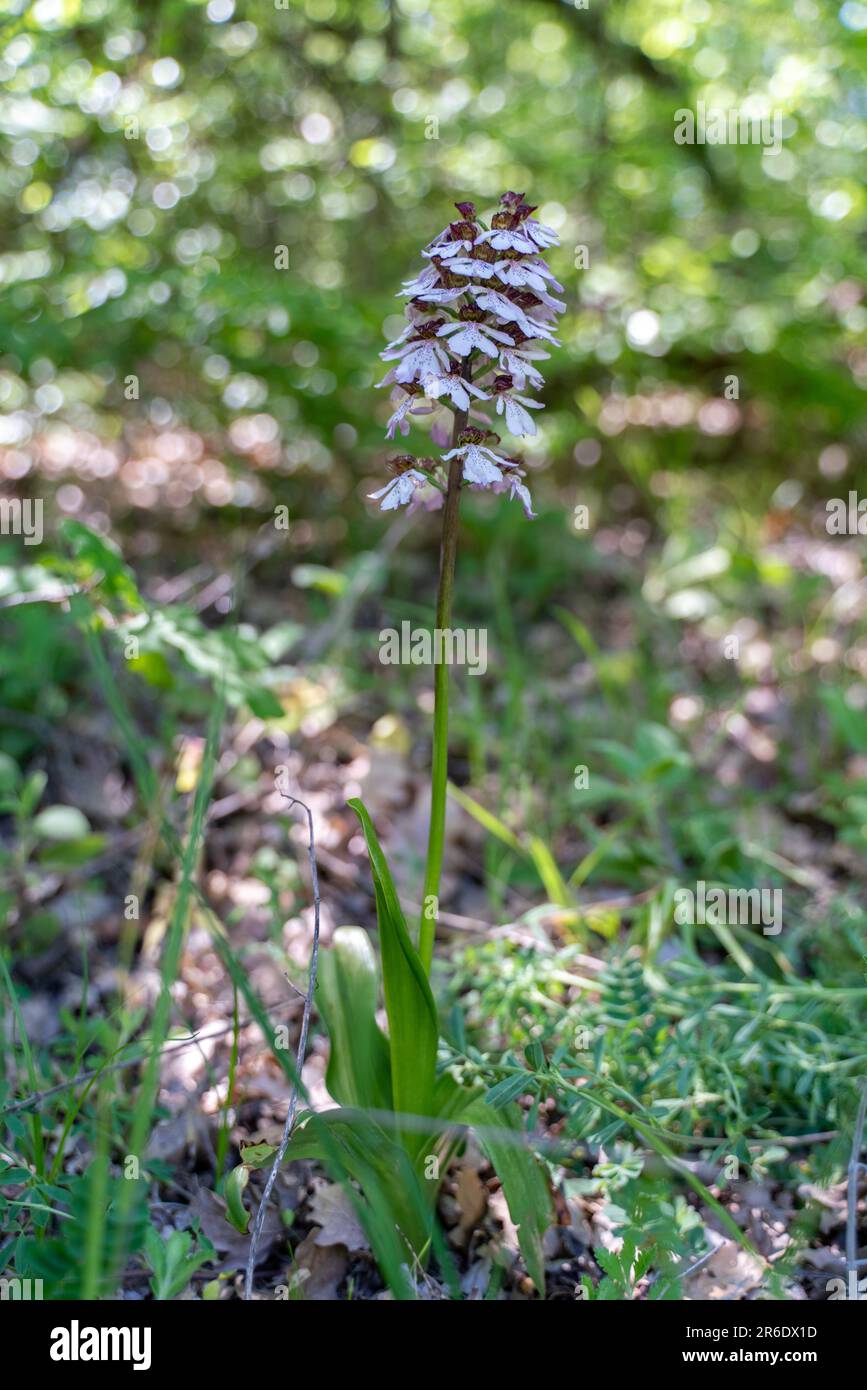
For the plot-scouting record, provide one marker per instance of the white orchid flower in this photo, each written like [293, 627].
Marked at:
[399, 491]
[506, 239]
[518, 364]
[446, 249]
[444, 295]
[465, 265]
[517, 489]
[517, 419]
[543, 236]
[456, 388]
[410, 405]
[424, 359]
[481, 465]
[466, 336]
[519, 273]
[426, 279]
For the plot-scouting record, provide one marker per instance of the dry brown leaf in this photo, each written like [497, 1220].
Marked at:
[472, 1198]
[730, 1273]
[333, 1212]
[500, 1209]
[319, 1269]
[211, 1211]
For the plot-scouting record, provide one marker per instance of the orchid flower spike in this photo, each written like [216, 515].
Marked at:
[477, 313]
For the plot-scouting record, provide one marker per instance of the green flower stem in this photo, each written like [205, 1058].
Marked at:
[439, 761]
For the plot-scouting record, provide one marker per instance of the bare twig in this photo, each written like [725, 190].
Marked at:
[299, 1058]
[855, 1168]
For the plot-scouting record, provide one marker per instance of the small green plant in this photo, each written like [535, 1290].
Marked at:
[48, 839]
[101, 1216]
[661, 1235]
[401, 1120]
[622, 1271]
[476, 316]
[173, 1260]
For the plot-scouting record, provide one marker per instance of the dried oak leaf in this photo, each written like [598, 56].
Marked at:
[334, 1214]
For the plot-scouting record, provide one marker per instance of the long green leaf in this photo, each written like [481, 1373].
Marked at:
[396, 1211]
[412, 1016]
[525, 1184]
[359, 1071]
[486, 818]
[523, 1177]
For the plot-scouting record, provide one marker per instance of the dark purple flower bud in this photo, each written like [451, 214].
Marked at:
[427, 330]
[401, 463]
[462, 231]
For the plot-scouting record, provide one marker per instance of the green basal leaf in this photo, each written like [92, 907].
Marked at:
[397, 1206]
[359, 1070]
[236, 1212]
[412, 1016]
[525, 1183]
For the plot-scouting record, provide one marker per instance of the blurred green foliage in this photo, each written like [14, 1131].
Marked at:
[158, 154]
[161, 162]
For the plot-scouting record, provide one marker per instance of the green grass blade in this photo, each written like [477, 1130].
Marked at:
[524, 1181]
[487, 819]
[396, 1212]
[412, 1016]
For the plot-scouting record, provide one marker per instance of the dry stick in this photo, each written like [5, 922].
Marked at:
[855, 1167]
[299, 1058]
